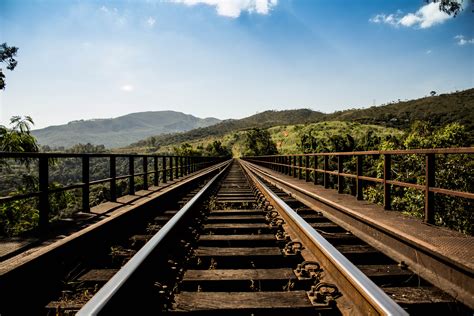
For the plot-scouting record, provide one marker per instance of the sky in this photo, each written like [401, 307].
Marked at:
[82, 59]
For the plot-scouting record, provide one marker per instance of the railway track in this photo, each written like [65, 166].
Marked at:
[237, 244]
[242, 247]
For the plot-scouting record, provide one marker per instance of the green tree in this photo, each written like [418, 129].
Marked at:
[18, 138]
[259, 142]
[6, 55]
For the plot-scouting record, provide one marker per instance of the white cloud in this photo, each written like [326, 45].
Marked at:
[233, 8]
[113, 14]
[150, 21]
[428, 52]
[461, 40]
[427, 16]
[127, 88]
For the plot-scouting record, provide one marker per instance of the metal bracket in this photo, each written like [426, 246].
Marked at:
[277, 222]
[271, 215]
[323, 294]
[307, 270]
[281, 235]
[293, 248]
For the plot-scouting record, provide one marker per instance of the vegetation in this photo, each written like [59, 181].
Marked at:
[119, 131]
[437, 110]
[259, 142]
[7, 54]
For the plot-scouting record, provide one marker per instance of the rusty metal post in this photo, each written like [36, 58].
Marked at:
[326, 168]
[306, 166]
[163, 165]
[300, 165]
[43, 203]
[430, 173]
[156, 177]
[113, 179]
[176, 169]
[131, 177]
[171, 169]
[359, 182]
[294, 167]
[145, 173]
[85, 184]
[340, 178]
[387, 175]
[315, 173]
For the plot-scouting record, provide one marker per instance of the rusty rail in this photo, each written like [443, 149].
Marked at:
[294, 165]
[171, 167]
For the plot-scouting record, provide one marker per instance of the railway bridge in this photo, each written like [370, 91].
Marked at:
[268, 235]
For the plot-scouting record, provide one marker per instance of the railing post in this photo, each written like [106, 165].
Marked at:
[387, 175]
[430, 182]
[359, 182]
[163, 165]
[294, 167]
[156, 178]
[131, 177]
[145, 173]
[300, 165]
[315, 173]
[176, 169]
[43, 203]
[288, 165]
[113, 179]
[181, 159]
[86, 186]
[340, 178]
[326, 175]
[306, 166]
[171, 168]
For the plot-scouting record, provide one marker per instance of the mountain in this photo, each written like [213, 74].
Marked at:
[438, 110]
[119, 131]
[261, 120]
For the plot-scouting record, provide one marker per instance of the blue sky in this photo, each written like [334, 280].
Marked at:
[227, 58]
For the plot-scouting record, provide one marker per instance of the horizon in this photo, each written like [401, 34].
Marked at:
[83, 60]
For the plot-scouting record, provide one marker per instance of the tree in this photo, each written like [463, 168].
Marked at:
[6, 55]
[259, 142]
[451, 7]
[18, 138]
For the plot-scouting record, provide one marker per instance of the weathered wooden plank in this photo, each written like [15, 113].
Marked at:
[378, 270]
[356, 249]
[417, 295]
[236, 217]
[238, 274]
[98, 275]
[208, 301]
[236, 226]
[237, 251]
[238, 212]
[237, 237]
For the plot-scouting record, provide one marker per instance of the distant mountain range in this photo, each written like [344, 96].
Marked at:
[438, 110]
[119, 131]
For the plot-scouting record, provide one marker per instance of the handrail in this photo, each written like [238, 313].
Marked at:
[99, 301]
[295, 164]
[171, 166]
[377, 298]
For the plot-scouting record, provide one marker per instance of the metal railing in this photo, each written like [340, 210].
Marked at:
[295, 165]
[167, 166]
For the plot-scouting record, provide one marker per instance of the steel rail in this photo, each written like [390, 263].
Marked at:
[99, 301]
[378, 299]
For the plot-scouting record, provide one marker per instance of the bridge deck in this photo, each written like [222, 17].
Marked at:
[454, 246]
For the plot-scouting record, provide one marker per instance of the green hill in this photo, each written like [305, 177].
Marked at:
[438, 110]
[119, 131]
